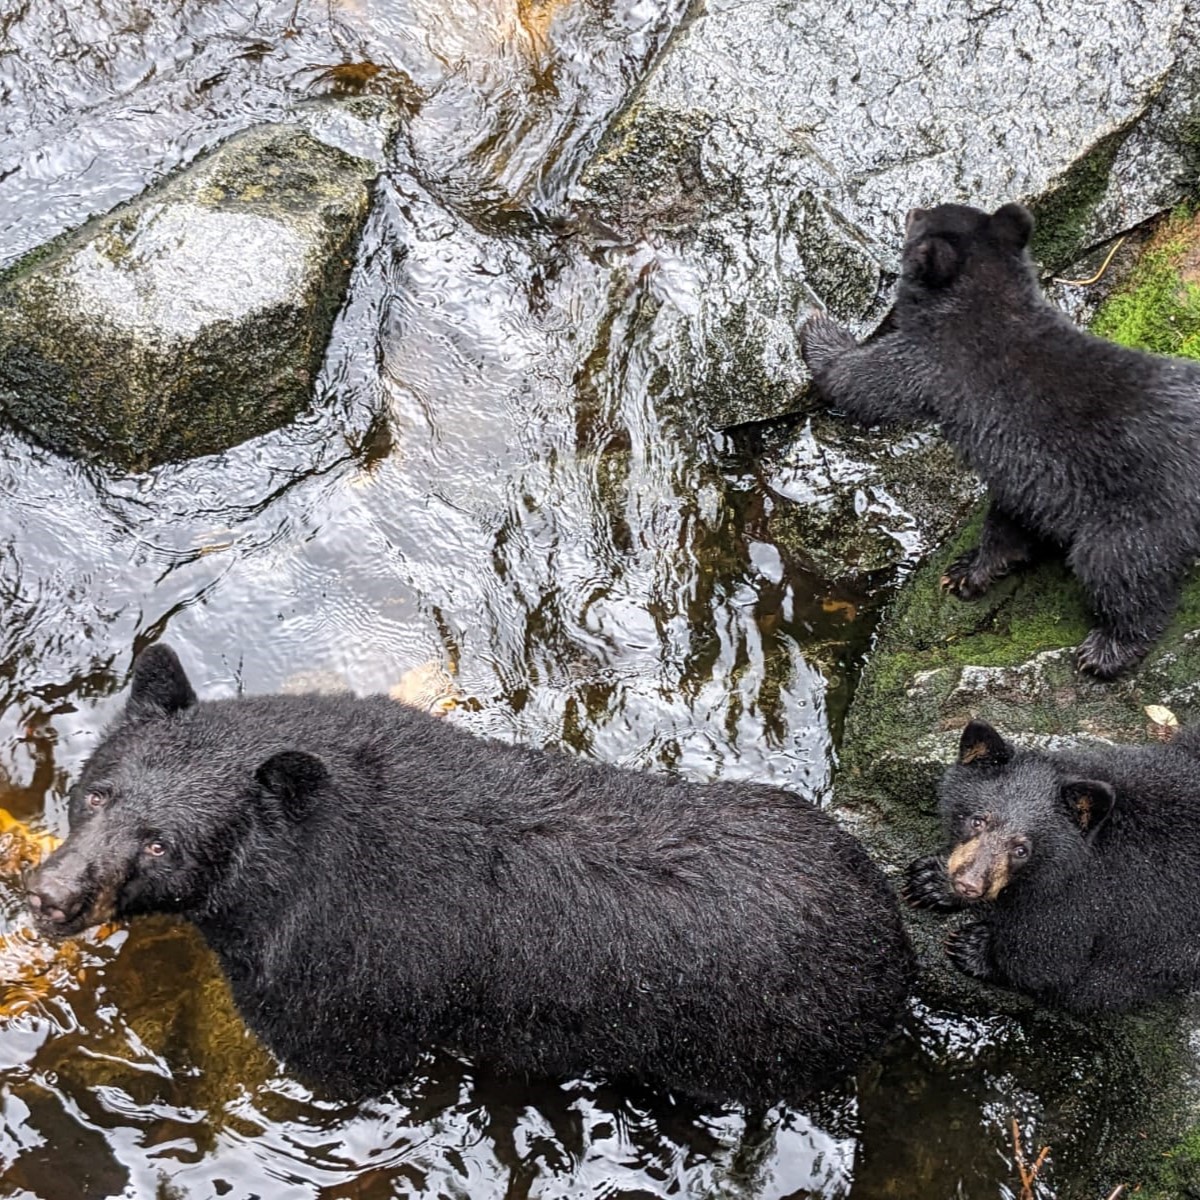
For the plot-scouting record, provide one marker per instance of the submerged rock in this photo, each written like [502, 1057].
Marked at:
[847, 506]
[193, 317]
[766, 164]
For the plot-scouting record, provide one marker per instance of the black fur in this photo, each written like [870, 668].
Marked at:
[377, 882]
[1101, 912]
[1086, 447]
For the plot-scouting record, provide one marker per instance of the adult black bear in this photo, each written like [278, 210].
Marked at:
[1085, 446]
[377, 882]
[1083, 866]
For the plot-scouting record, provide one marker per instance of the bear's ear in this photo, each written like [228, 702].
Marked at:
[1012, 226]
[292, 779]
[159, 686]
[1089, 803]
[982, 746]
[934, 262]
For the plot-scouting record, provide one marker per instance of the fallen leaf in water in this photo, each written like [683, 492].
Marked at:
[20, 846]
[430, 687]
[847, 608]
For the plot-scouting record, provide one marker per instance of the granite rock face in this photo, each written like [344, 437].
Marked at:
[767, 162]
[194, 317]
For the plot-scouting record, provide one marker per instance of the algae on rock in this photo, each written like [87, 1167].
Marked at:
[192, 318]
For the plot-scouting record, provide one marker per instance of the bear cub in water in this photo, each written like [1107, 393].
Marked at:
[377, 882]
[1087, 448]
[1083, 865]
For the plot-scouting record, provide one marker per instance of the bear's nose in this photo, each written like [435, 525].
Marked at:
[54, 901]
[968, 889]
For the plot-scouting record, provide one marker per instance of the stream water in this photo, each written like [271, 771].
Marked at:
[495, 480]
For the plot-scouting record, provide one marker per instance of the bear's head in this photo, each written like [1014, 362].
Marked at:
[943, 244]
[1011, 817]
[162, 810]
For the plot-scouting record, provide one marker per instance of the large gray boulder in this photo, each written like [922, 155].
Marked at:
[766, 163]
[196, 316]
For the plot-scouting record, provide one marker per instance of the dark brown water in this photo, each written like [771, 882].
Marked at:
[497, 481]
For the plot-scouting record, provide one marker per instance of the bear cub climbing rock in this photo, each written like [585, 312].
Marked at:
[1082, 866]
[377, 882]
[1087, 448]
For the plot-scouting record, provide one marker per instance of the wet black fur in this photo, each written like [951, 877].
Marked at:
[377, 882]
[1098, 919]
[1087, 448]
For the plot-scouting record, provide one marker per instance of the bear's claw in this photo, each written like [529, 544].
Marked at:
[964, 577]
[969, 949]
[1105, 656]
[927, 886]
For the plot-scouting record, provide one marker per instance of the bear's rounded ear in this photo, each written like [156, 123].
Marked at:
[981, 746]
[933, 261]
[292, 779]
[160, 687]
[1089, 803]
[1012, 226]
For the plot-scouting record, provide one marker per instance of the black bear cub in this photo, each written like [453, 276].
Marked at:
[1083, 867]
[1087, 448]
[377, 882]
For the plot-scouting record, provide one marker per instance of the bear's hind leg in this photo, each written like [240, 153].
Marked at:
[1133, 595]
[1003, 545]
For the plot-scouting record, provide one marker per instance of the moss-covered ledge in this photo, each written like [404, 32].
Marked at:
[1118, 1099]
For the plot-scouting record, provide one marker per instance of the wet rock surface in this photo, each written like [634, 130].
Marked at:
[1009, 658]
[849, 505]
[760, 175]
[195, 317]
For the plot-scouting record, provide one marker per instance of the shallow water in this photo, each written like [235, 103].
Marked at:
[497, 479]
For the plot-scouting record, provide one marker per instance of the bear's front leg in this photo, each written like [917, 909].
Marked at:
[880, 382]
[969, 948]
[927, 885]
[822, 340]
[1004, 544]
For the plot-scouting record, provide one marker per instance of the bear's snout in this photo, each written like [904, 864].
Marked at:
[65, 894]
[55, 901]
[968, 889]
[978, 868]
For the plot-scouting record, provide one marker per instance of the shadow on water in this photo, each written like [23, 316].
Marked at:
[497, 478]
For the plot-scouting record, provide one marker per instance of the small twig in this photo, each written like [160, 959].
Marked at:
[1028, 1174]
[1103, 267]
[1115, 1194]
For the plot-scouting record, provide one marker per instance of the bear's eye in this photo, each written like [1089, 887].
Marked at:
[1020, 850]
[156, 848]
[978, 824]
[95, 800]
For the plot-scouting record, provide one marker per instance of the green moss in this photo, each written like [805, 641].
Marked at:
[1064, 211]
[1158, 309]
[1179, 1171]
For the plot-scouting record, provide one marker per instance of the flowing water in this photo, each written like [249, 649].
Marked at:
[497, 485]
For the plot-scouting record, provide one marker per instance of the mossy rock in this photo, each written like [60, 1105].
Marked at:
[1009, 658]
[1158, 309]
[192, 318]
